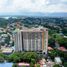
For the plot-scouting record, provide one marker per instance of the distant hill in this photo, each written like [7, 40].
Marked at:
[57, 14]
[37, 14]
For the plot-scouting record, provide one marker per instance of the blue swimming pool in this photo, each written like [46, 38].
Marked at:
[6, 64]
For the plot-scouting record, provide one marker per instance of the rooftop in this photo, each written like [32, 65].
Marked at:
[58, 60]
[23, 64]
[34, 30]
[7, 50]
[62, 48]
[39, 29]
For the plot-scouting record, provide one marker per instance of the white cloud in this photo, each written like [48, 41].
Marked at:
[13, 6]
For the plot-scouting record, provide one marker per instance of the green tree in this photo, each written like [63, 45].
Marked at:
[1, 59]
[33, 61]
[31, 64]
[7, 40]
[15, 65]
[61, 40]
[53, 54]
[37, 65]
[25, 56]
[51, 42]
[15, 57]
[65, 55]
[56, 65]
[65, 64]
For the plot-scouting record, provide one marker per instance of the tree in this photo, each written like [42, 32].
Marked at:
[56, 65]
[33, 61]
[31, 64]
[23, 66]
[15, 57]
[25, 56]
[53, 54]
[7, 40]
[37, 65]
[15, 65]
[61, 40]
[1, 59]
[65, 55]
[51, 42]
[30, 55]
[65, 64]
[64, 30]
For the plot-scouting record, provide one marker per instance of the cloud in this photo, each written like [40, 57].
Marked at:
[19, 6]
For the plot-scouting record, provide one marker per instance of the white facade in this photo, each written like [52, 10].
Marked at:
[31, 40]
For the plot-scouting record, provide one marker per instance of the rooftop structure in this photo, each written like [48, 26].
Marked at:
[7, 50]
[23, 64]
[58, 60]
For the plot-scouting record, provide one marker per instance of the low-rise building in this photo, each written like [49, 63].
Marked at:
[58, 60]
[7, 50]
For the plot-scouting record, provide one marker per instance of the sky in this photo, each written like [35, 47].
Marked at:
[21, 6]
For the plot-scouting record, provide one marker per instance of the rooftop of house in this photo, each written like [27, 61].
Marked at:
[23, 64]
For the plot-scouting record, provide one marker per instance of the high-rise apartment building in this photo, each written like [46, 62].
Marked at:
[35, 39]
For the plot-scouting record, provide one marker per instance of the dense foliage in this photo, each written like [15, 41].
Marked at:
[55, 24]
[15, 65]
[25, 56]
[55, 37]
[3, 22]
[54, 53]
[65, 64]
[2, 57]
[56, 65]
